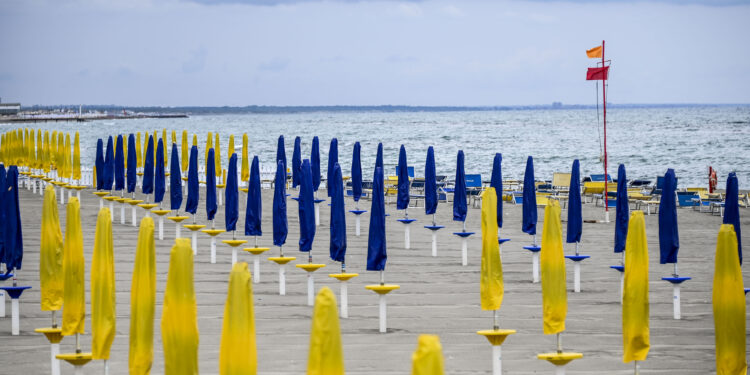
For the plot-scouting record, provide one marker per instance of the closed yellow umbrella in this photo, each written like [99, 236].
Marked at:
[51, 277]
[46, 158]
[209, 145]
[31, 151]
[554, 293]
[39, 149]
[326, 355]
[67, 157]
[164, 140]
[138, 153]
[184, 160]
[125, 150]
[53, 149]
[174, 137]
[102, 288]
[179, 324]
[491, 277]
[635, 305]
[217, 158]
[195, 139]
[24, 147]
[60, 154]
[230, 148]
[237, 354]
[74, 299]
[428, 358]
[729, 305]
[143, 301]
[77, 158]
[245, 172]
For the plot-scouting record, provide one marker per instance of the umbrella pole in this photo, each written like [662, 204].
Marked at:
[282, 274]
[106, 367]
[122, 210]
[622, 278]
[2, 303]
[317, 211]
[434, 243]
[356, 221]
[161, 227]
[464, 251]
[213, 245]
[382, 303]
[636, 368]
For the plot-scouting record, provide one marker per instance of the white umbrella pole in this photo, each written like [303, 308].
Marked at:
[382, 313]
[111, 211]
[213, 250]
[676, 300]
[622, 285]
[134, 215]
[344, 300]
[161, 227]
[77, 370]
[194, 242]
[407, 240]
[54, 363]
[282, 279]
[560, 370]
[535, 266]
[14, 317]
[78, 195]
[220, 196]
[434, 243]
[122, 213]
[464, 251]
[577, 277]
[317, 214]
[636, 368]
[106, 367]
[62, 198]
[234, 256]
[310, 289]
[2, 303]
[356, 226]
[177, 231]
[497, 360]
[256, 268]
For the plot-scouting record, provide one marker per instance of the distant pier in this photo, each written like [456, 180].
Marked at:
[27, 118]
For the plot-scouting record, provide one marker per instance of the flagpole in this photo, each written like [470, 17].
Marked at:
[606, 176]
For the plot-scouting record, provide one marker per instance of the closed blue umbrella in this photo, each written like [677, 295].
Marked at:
[732, 209]
[280, 224]
[356, 173]
[459, 193]
[402, 198]
[281, 153]
[337, 246]
[193, 188]
[296, 161]
[119, 164]
[253, 211]
[132, 164]
[306, 208]
[211, 206]
[148, 168]
[333, 158]
[175, 180]
[376, 245]
[232, 210]
[496, 181]
[528, 224]
[12, 238]
[109, 165]
[99, 164]
[669, 239]
[623, 210]
[430, 184]
[379, 157]
[575, 216]
[315, 163]
[160, 182]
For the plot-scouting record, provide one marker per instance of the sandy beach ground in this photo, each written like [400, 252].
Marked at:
[437, 296]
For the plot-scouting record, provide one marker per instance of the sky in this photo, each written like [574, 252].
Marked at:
[348, 52]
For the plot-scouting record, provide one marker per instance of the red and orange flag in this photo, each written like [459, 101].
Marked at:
[594, 53]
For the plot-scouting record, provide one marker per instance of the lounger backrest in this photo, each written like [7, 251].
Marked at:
[409, 171]
[473, 180]
[560, 180]
[600, 177]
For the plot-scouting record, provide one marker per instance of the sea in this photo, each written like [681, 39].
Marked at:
[647, 140]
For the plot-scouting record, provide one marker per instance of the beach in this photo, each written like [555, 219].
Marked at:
[437, 296]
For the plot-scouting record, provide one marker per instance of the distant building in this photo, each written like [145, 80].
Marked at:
[10, 108]
[557, 105]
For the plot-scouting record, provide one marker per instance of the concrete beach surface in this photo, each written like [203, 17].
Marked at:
[437, 296]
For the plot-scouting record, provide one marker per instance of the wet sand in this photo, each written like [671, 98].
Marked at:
[437, 296]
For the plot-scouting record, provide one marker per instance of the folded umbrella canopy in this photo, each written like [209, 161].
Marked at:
[379, 157]
[669, 239]
[253, 211]
[623, 210]
[98, 164]
[147, 186]
[132, 164]
[333, 159]
[529, 217]
[491, 288]
[74, 292]
[232, 208]
[211, 206]
[554, 293]
[143, 301]
[296, 161]
[430, 184]
[175, 180]
[51, 278]
[496, 181]
[217, 157]
[575, 216]
[245, 173]
[159, 178]
[109, 165]
[102, 288]
[138, 150]
[635, 305]
[306, 208]
[402, 197]
[280, 224]
[356, 172]
[76, 158]
[237, 351]
[315, 162]
[193, 189]
[179, 321]
[119, 164]
[376, 245]
[326, 354]
[281, 153]
[732, 209]
[428, 358]
[459, 193]
[185, 151]
[337, 247]
[12, 239]
[209, 145]
[729, 306]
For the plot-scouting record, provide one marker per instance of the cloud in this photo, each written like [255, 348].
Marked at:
[196, 62]
[284, 2]
[276, 64]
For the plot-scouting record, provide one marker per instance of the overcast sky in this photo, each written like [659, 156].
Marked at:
[306, 52]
